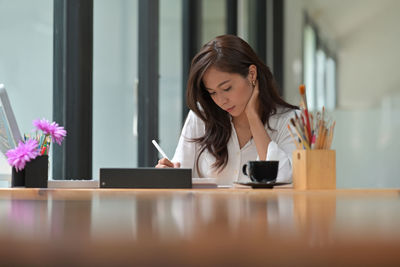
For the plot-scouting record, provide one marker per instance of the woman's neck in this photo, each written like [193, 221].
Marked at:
[241, 121]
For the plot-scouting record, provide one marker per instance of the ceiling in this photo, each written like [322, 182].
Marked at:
[342, 17]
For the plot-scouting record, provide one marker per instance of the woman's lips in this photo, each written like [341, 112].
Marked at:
[230, 109]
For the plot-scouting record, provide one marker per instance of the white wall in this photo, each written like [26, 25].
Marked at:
[368, 91]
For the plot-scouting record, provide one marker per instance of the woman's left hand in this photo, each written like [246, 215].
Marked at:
[252, 106]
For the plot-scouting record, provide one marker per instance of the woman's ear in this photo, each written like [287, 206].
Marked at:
[252, 73]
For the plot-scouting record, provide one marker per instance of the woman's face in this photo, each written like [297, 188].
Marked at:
[231, 92]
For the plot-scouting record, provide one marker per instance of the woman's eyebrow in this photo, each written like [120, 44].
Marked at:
[219, 85]
[224, 82]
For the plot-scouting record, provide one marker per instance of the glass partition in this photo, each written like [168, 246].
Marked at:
[26, 63]
[213, 19]
[170, 83]
[115, 46]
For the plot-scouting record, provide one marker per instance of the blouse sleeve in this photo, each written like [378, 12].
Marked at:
[186, 150]
[282, 148]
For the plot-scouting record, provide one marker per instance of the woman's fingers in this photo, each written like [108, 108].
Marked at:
[165, 163]
[162, 166]
[253, 102]
[177, 164]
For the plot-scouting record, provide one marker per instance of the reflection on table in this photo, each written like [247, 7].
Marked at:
[199, 227]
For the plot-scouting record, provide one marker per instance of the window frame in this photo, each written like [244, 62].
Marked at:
[320, 45]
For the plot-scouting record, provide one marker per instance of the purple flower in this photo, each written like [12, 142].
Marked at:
[22, 154]
[57, 132]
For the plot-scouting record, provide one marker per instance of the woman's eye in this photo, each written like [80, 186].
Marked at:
[212, 93]
[227, 89]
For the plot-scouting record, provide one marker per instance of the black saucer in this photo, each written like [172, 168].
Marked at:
[261, 185]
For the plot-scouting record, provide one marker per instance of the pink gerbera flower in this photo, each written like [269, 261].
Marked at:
[57, 132]
[22, 154]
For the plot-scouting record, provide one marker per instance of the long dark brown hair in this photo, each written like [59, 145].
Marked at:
[227, 53]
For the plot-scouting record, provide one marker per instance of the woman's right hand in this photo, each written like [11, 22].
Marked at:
[165, 163]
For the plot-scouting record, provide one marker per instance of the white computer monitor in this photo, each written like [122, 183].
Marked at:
[9, 131]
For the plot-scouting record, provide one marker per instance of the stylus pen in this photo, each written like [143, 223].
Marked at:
[159, 149]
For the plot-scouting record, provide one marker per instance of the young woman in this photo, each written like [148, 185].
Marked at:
[236, 115]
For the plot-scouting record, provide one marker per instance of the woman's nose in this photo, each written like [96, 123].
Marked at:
[221, 99]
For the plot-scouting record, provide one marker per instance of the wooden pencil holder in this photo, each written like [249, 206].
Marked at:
[314, 169]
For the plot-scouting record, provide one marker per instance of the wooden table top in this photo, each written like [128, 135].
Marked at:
[230, 227]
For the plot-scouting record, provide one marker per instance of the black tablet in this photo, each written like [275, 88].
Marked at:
[145, 178]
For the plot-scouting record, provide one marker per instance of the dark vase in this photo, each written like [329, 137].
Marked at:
[35, 174]
[17, 178]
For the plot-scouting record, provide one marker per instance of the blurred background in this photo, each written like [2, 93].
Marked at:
[345, 52]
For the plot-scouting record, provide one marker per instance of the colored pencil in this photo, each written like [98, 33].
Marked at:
[302, 89]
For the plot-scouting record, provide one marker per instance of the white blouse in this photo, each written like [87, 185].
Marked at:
[280, 148]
